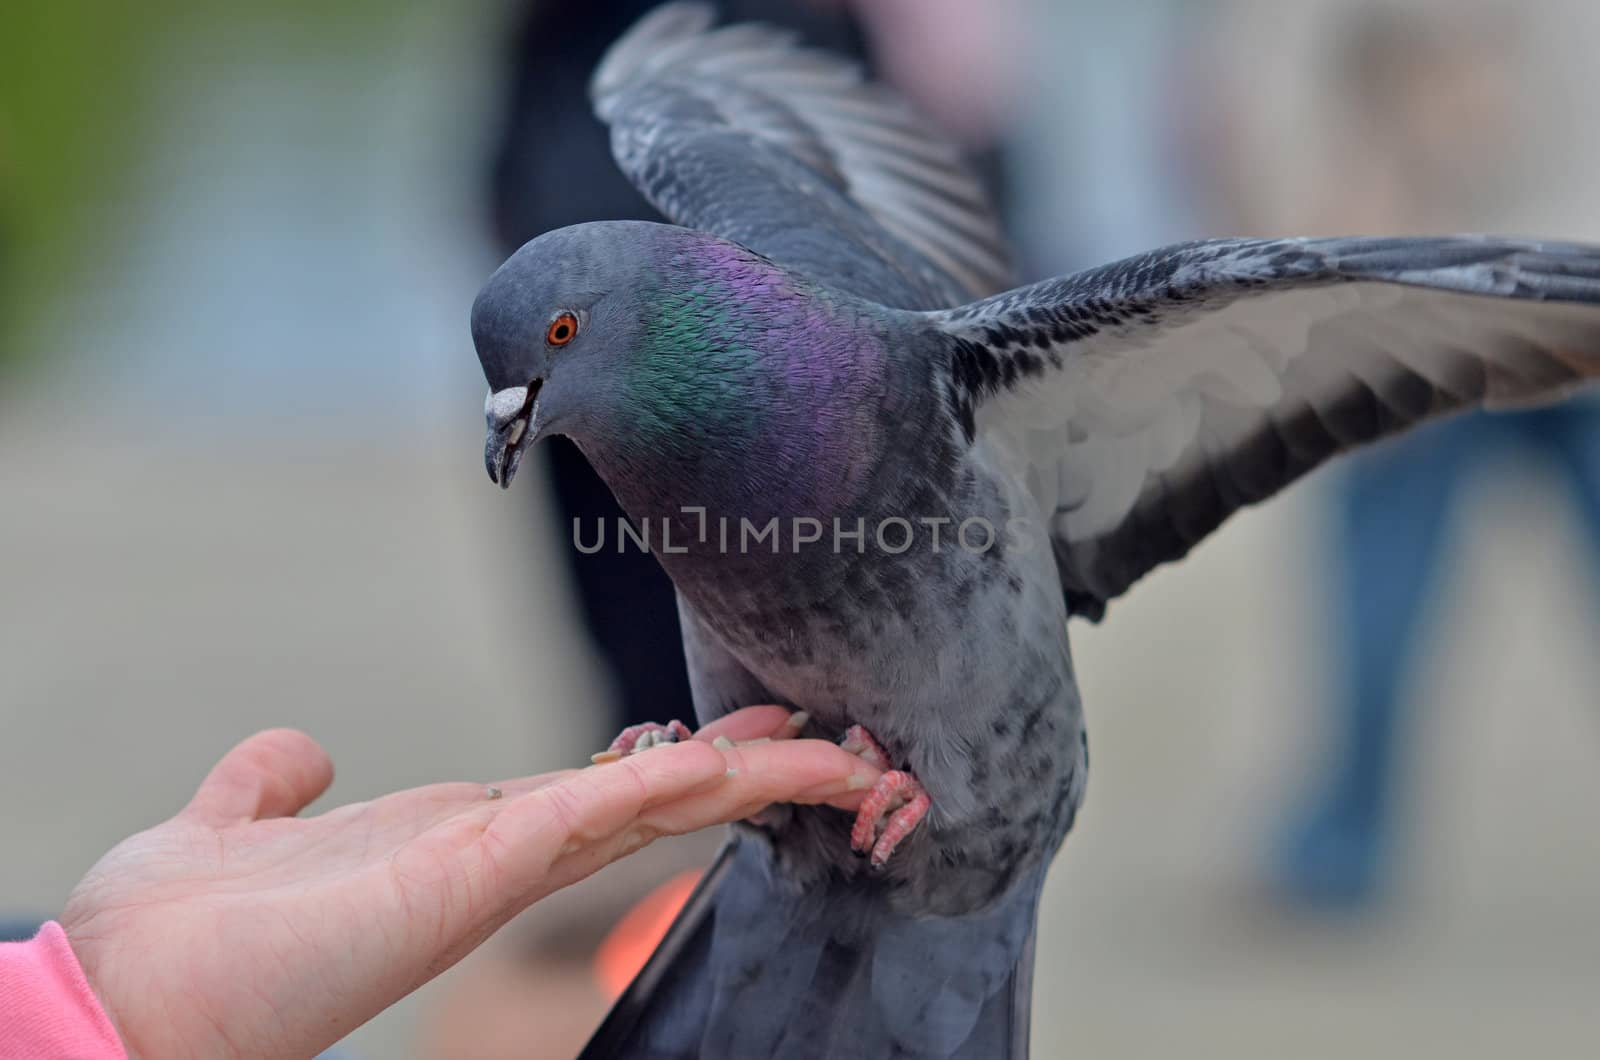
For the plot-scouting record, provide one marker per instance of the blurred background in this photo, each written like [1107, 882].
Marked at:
[1351, 811]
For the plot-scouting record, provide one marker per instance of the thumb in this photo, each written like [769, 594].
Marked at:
[271, 774]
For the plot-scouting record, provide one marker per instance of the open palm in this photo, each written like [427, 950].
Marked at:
[238, 929]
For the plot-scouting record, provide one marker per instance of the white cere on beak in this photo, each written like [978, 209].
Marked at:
[502, 405]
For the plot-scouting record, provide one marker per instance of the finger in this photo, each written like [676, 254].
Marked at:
[512, 787]
[755, 723]
[805, 771]
[276, 773]
[591, 808]
[403, 815]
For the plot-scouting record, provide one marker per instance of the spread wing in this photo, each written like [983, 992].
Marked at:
[738, 132]
[1150, 399]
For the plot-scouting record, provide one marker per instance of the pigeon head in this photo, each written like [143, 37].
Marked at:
[676, 361]
[551, 326]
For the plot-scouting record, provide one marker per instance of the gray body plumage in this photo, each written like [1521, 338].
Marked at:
[821, 337]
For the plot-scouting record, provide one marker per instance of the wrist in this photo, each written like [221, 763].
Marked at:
[86, 950]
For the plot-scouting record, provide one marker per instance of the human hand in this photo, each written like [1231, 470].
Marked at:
[236, 929]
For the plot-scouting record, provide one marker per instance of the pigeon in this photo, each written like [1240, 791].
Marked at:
[882, 480]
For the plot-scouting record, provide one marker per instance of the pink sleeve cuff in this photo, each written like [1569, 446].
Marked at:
[47, 1009]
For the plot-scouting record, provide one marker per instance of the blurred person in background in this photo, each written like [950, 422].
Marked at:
[1429, 108]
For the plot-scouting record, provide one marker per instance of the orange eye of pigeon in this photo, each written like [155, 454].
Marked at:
[563, 329]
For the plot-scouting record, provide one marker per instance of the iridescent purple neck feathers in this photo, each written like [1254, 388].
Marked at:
[749, 392]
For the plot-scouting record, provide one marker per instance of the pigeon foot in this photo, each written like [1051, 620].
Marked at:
[642, 737]
[896, 804]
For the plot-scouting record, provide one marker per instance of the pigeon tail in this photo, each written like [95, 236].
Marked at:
[755, 966]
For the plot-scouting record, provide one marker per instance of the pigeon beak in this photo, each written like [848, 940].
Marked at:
[509, 414]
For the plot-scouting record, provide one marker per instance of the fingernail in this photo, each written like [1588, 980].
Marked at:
[752, 743]
[722, 743]
[856, 782]
[610, 754]
[732, 772]
[797, 721]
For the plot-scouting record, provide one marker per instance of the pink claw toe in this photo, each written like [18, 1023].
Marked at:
[636, 738]
[896, 804]
[861, 743]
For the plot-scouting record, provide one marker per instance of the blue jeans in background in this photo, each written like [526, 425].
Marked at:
[1396, 504]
